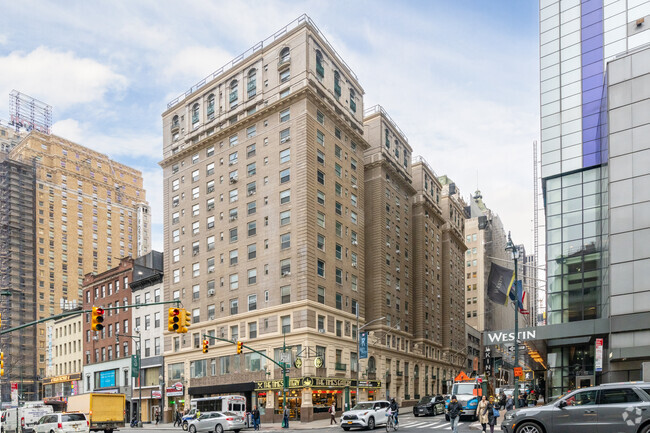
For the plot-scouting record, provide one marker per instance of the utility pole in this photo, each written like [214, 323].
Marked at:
[514, 253]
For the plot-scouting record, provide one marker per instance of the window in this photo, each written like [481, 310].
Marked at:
[286, 324]
[320, 137]
[337, 84]
[285, 115]
[251, 188]
[285, 196]
[250, 151]
[285, 218]
[321, 323]
[285, 292]
[234, 306]
[320, 219]
[338, 208]
[285, 135]
[353, 200]
[320, 197]
[618, 396]
[251, 131]
[320, 268]
[252, 228]
[285, 76]
[251, 169]
[285, 267]
[252, 276]
[252, 251]
[232, 158]
[285, 241]
[320, 176]
[233, 195]
[320, 71]
[234, 257]
[285, 176]
[353, 217]
[339, 276]
[234, 281]
[339, 301]
[195, 175]
[320, 242]
[320, 157]
[252, 330]
[233, 93]
[339, 229]
[285, 156]
[353, 104]
[252, 83]
[233, 234]
[195, 114]
[209, 169]
[209, 187]
[321, 294]
[252, 302]
[338, 251]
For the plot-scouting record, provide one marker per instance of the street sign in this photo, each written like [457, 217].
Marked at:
[599, 354]
[519, 372]
[285, 357]
[14, 393]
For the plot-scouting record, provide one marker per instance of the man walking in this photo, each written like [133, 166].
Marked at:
[256, 418]
[285, 418]
[332, 411]
[454, 410]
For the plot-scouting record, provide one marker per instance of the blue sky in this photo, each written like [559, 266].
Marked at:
[460, 78]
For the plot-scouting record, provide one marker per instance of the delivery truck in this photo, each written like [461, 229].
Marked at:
[104, 411]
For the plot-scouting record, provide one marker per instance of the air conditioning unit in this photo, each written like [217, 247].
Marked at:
[396, 269]
[233, 218]
[195, 253]
[211, 292]
[321, 330]
[388, 244]
[354, 243]
[284, 140]
[398, 219]
[286, 274]
[354, 265]
[210, 271]
[231, 163]
[250, 193]
[233, 180]
[354, 186]
[388, 227]
[397, 251]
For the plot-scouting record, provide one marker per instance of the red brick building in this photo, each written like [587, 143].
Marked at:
[108, 289]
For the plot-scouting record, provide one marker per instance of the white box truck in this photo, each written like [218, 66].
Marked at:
[25, 416]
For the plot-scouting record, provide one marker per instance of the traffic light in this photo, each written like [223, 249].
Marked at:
[174, 319]
[185, 322]
[97, 319]
[240, 347]
[2, 363]
[205, 346]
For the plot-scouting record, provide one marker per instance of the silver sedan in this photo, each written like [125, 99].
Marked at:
[217, 422]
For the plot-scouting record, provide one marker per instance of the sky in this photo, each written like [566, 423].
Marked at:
[460, 78]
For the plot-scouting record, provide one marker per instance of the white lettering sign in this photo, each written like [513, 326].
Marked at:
[508, 337]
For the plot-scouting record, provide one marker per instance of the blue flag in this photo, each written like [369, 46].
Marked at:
[517, 288]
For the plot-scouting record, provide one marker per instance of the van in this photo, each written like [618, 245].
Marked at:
[26, 416]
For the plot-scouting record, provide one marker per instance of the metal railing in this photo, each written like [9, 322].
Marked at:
[379, 109]
[424, 162]
[304, 18]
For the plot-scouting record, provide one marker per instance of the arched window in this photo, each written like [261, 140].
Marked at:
[252, 83]
[233, 92]
[195, 114]
[175, 123]
[320, 70]
[210, 108]
[285, 55]
[337, 83]
[353, 104]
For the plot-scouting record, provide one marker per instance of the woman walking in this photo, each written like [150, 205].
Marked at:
[492, 413]
[482, 415]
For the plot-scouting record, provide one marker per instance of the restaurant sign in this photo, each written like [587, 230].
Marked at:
[63, 378]
[316, 382]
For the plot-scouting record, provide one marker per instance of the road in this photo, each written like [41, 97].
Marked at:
[408, 424]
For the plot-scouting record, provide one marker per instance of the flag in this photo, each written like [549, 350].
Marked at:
[517, 294]
[499, 284]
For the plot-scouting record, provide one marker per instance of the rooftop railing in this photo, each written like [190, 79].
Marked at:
[379, 109]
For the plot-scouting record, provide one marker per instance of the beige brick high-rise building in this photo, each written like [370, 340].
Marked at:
[264, 198]
[85, 221]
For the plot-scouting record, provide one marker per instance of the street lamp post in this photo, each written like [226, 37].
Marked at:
[514, 254]
[161, 380]
[359, 345]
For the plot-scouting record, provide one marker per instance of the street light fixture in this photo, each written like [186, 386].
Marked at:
[514, 255]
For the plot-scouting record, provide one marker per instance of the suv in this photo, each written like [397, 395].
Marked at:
[613, 407]
[66, 422]
[429, 405]
[365, 414]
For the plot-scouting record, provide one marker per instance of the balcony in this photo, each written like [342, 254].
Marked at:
[340, 366]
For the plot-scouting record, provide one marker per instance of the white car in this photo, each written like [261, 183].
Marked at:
[63, 422]
[365, 414]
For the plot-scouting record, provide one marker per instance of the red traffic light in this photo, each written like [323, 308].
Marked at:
[99, 310]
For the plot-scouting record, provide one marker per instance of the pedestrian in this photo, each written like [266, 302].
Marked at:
[522, 400]
[285, 418]
[532, 399]
[157, 416]
[256, 418]
[510, 404]
[502, 400]
[332, 411]
[492, 413]
[480, 410]
[454, 409]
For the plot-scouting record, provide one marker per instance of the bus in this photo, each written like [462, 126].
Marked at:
[222, 403]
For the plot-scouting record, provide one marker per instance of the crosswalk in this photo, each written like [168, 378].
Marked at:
[439, 424]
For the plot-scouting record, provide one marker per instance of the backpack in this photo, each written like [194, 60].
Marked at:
[329, 410]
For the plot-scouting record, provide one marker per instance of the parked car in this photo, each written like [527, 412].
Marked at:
[429, 405]
[63, 422]
[365, 414]
[217, 422]
[613, 407]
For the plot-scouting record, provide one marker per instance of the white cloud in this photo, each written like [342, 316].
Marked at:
[126, 144]
[59, 78]
[3, 39]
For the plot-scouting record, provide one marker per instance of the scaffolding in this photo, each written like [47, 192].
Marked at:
[18, 275]
[29, 113]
